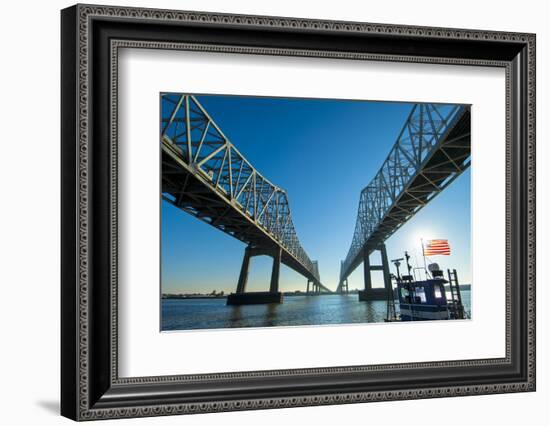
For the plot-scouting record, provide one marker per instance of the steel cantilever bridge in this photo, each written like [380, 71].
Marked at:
[204, 174]
[431, 151]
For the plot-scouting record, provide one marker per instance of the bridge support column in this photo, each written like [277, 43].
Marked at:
[241, 297]
[367, 269]
[274, 285]
[345, 288]
[314, 289]
[243, 276]
[370, 293]
[386, 270]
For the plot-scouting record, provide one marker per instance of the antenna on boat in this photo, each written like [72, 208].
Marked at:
[409, 267]
[397, 263]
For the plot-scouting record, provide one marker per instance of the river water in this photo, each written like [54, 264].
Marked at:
[193, 314]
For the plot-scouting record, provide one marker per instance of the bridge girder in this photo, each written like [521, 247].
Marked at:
[431, 151]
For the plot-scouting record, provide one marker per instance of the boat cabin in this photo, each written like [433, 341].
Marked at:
[422, 300]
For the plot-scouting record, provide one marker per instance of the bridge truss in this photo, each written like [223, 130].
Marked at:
[204, 174]
[431, 151]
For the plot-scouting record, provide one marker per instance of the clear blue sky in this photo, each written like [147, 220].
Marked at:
[323, 153]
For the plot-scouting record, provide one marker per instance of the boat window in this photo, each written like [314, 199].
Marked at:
[420, 294]
[437, 292]
[404, 292]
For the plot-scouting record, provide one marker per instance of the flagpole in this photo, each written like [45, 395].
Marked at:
[424, 256]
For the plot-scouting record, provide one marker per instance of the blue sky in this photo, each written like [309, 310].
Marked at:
[323, 153]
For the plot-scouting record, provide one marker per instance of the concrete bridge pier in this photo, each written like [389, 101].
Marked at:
[345, 288]
[370, 293]
[241, 297]
[314, 289]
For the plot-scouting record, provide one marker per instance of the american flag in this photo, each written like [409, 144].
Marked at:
[437, 247]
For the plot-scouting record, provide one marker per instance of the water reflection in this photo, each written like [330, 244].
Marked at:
[192, 314]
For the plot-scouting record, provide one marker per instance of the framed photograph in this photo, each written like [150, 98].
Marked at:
[263, 212]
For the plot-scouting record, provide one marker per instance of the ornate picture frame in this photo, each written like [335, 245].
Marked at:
[91, 37]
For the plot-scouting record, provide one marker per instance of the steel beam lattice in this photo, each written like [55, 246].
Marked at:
[432, 150]
[205, 175]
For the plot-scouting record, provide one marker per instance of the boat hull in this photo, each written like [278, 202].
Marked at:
[418, 312]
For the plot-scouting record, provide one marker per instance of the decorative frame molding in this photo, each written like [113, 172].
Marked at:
[91, 37]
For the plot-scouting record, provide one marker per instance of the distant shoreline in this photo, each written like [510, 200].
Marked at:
[466, 287]
[193, 296]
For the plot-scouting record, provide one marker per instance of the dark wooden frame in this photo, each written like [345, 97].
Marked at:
[90, 386]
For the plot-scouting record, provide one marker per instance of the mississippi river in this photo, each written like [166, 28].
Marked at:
[193, 314]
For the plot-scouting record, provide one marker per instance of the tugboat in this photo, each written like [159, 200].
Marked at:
[425, 299]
